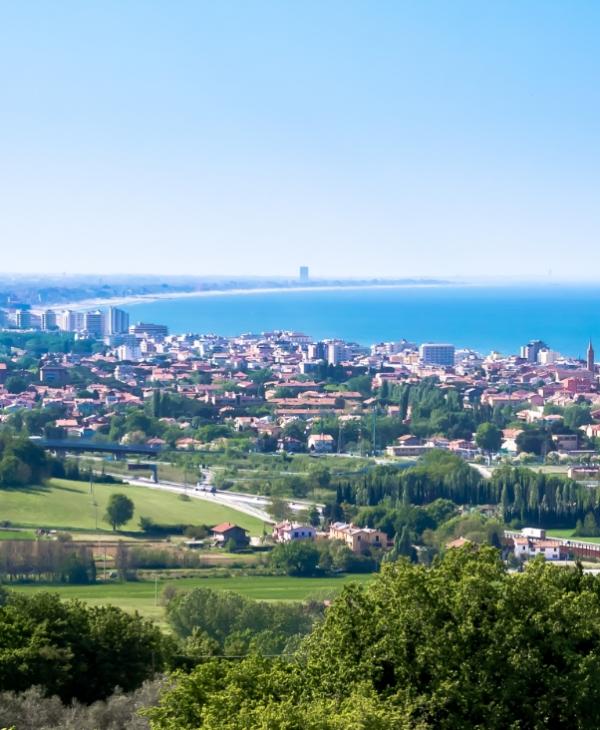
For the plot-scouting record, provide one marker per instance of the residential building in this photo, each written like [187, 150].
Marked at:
[431, 353]
[48, 320]
[292, 531]
[147, 329]
[129, 352]
[23, 319]
[526, 547]
[335, 352]
[358, 539]
[316, 351]
[532, 349]
[227, 531]
[54, 375]
[116, 321]
[93, 323]
[321, 443]
[70, 321]
[566, 441]
[408, 445]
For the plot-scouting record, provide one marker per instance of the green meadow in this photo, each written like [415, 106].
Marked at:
[67, 505]
[141, 595]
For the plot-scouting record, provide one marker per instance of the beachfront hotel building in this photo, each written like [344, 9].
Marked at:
[431, 353]
[116, 321]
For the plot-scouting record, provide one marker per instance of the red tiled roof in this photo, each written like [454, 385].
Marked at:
[225, 526]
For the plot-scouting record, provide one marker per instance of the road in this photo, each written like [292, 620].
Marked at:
[250, 504]
[483, 470]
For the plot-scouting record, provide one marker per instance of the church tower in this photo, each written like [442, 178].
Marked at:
[590, 357]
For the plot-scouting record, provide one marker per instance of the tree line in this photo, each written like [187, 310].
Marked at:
[523, 496]
[47, 561]
[464, 644]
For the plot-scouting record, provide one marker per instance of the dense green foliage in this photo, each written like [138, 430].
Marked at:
[488, 437]
[524, 496]
[72, 650]
[295, 558]
[221, 622]
[460, 645]
[21, 462]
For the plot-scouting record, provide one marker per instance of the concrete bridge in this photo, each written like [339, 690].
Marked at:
[102, 447]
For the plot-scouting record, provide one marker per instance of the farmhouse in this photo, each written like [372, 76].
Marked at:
[228, 531]
[358, 539]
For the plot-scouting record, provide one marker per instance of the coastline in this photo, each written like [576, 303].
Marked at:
[144, 298]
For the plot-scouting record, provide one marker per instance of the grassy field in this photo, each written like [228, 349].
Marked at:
[568, 535]
[67, 505]
[17, 535]
[140, 596]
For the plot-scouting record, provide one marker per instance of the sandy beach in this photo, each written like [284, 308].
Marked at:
[142, 298]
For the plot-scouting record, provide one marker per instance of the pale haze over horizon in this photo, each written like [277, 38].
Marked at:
[444, 139]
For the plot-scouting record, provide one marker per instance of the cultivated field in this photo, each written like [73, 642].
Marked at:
[141, 596]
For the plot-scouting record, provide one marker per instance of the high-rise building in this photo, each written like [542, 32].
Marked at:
[146, 329]
[316, 351]
[547, 357]
[48, 320]
[335, 352]
[304, 273]
[532, 349]
[70, 321]
[590, 357]
[23, 319]
[116, 321]
[93, 323]
[432, 353]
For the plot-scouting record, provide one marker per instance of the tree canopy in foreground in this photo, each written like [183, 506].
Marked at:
[461, 645]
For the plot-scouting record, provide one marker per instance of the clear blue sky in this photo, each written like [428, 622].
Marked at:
[361, 138]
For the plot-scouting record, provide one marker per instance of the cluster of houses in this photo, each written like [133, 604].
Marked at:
[225, 376]
[358, 539]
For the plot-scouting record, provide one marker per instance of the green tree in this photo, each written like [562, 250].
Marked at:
[488, 437]
[15, 384]
[321, 475]
[298, 558]
[119, 510]
[442, 647]
[279, 509]
[577, 415]
[314, 516]
[589, 527]
[403, 547]
[75, 651]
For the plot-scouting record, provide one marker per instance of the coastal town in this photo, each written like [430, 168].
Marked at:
[300, 366]
[91, 381]
[282, 390]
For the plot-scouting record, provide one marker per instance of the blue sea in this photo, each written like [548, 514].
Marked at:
[482, 318]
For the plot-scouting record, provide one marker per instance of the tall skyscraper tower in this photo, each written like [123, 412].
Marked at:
[304, 273]
[590, 357]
